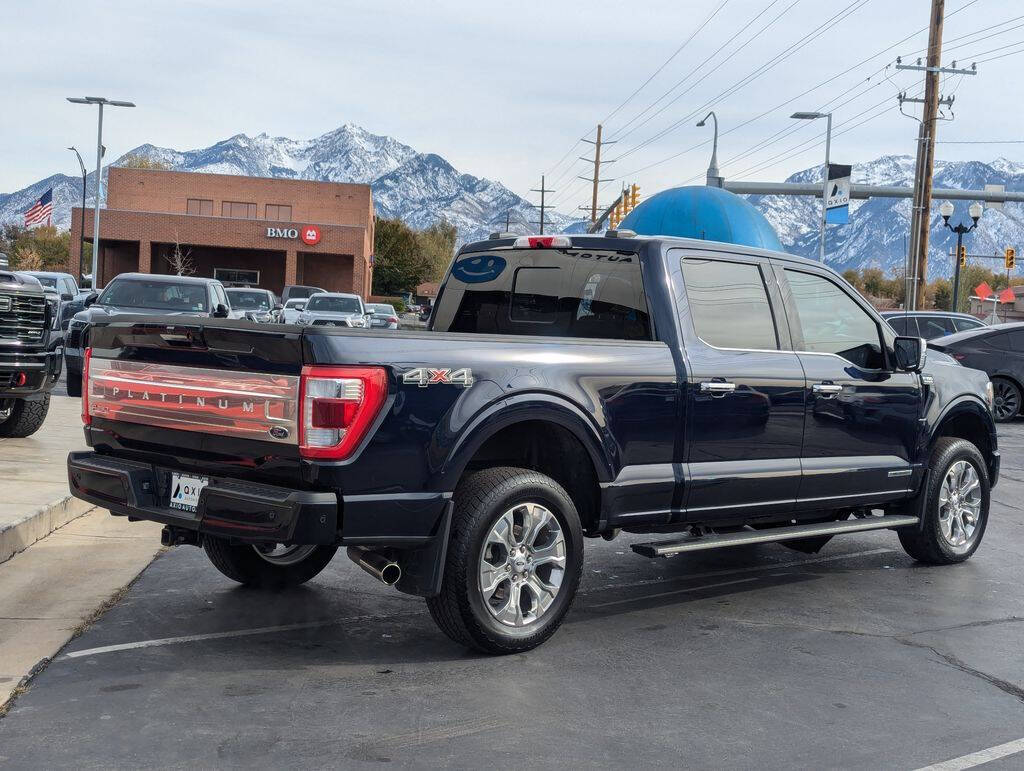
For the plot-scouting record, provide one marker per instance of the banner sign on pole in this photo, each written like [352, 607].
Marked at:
[837, 204]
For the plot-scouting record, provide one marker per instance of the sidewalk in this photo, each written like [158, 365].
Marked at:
[34, 498]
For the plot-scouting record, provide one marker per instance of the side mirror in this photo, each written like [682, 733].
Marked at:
[91, 298]
[910, 353]
[221, 311]
[67, 297]
[278, 307]
[300, 306]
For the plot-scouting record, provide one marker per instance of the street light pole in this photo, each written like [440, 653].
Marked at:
[714, 178]
[81, 230]
[100, 102]
[824, 180]
[946, 210]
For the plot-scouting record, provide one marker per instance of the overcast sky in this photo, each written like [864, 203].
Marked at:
[502, 90]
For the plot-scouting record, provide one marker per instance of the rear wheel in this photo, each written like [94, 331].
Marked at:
[1007, 399]
[267, 566]
[513, 564]
[956, 509]
[21, 417]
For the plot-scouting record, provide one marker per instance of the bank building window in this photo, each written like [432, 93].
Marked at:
[280, 212]
[200, 206]
[238, 209]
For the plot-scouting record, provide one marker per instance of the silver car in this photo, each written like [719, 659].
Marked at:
[292, 310]
[383, 316]
[333, 309]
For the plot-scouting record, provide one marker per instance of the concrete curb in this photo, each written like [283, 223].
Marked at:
[39, 523]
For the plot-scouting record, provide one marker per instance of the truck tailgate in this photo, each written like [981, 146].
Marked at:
[217, 396]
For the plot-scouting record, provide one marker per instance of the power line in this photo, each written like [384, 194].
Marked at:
[667, 61]
[979, 141]
[755, 74]
[696, 69]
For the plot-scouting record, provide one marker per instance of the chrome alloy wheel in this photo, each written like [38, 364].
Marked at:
[522, 564]
[282, 555]
[959, 504]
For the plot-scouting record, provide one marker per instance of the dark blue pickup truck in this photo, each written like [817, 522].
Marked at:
[568, 387]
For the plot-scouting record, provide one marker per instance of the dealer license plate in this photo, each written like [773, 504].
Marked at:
[185, 491]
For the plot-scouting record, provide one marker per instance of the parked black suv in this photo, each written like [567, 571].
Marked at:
[30, 353]
[569, 386]
[141, 293]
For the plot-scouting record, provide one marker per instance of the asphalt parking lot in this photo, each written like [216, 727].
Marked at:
[758, 657]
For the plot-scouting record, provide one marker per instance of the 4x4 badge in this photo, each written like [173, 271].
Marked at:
[424, 376]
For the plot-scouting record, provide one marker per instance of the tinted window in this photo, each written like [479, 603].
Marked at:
[904, 325]
[729, 304]
[335, 305]
[832, 322]
[934, 326]
[962, 324]
[546, 292]
[248, 300]
[381, 309]
[161, 295]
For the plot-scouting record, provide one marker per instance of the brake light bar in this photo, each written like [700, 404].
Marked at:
[542, 242]
[339, 404]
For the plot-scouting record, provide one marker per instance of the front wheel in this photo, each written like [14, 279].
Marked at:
[513, 564]
[267, 566]
[956, 507]
[22, 417]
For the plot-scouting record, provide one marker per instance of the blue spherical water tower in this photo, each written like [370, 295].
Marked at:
[703, 212]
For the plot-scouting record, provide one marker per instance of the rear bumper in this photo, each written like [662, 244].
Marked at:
[253, 512]
[245, 511]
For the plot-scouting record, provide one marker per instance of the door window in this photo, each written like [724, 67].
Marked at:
[904, 325]
[729, 304]
[962, 324]
[934, 326]
[832, 322]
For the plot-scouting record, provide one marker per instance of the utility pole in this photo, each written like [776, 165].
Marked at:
[543, 190]
[597, 172]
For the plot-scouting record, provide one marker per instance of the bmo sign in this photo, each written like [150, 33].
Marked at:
[310, 234]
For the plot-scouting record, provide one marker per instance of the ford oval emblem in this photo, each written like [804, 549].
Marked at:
[478, 269]
[279, 432]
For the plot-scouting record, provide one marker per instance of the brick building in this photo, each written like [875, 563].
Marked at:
[243, 230]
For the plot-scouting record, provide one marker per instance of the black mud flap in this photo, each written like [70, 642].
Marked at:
[807, 545]
[423, 567]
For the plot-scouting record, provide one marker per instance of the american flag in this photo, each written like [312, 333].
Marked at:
[41, 210]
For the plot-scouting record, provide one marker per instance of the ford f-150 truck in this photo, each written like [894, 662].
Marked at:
[708, 394]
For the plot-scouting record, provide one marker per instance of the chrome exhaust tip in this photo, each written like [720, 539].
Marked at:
[385, 570]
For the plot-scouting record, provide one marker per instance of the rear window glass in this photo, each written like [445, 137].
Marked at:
[247, 300]
[596, 294]
[161, 295]
[962, 324]
[328, 304]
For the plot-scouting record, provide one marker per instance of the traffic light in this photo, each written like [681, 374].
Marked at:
[1011, 257]
[962, 256]
[634, 196]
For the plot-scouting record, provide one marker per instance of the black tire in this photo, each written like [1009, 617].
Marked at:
[242, 563]
[480, 501]
[1008, 399]
[74, 382]
[928, 543]
[26, 417]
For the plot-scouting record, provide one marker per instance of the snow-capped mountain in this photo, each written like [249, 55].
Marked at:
[879, 227]
[422, 188]
[419, 188]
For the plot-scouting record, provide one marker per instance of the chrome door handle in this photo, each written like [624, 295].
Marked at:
[827, 390]
[717, 388]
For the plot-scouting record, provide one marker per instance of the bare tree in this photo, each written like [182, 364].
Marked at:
[180, 260]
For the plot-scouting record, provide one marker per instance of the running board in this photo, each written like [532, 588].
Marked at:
[770, 535]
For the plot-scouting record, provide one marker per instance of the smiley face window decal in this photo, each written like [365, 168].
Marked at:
[479, 268]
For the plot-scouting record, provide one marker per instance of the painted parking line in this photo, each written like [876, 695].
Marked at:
[979, 757]
[163, 641]
[214, 636]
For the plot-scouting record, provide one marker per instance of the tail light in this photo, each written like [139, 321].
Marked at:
[86, 418]
[339, 404]
[392, 319]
